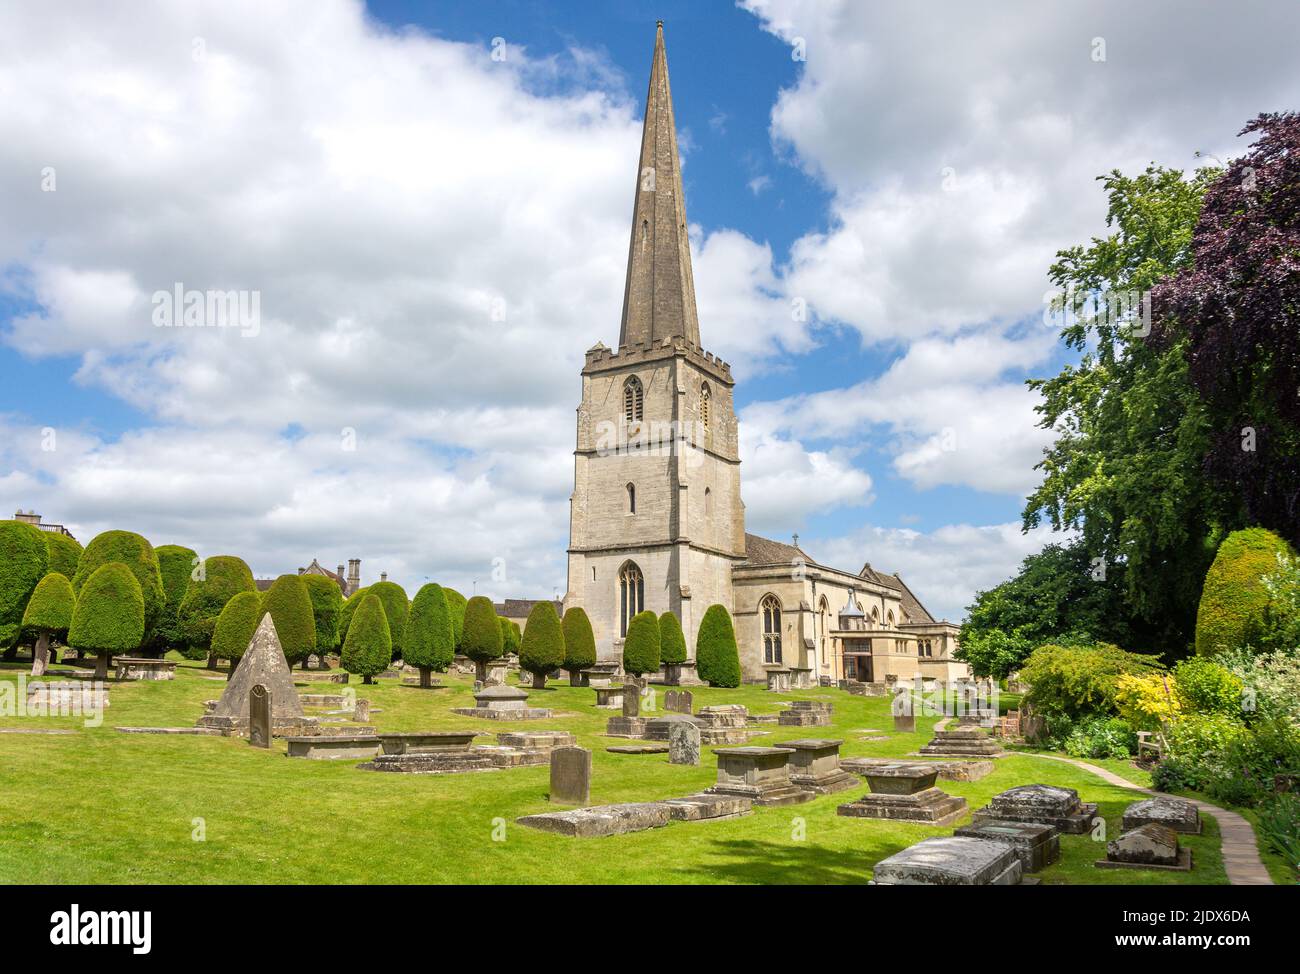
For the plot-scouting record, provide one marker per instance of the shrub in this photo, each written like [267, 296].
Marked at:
[1234, 599]
[220, 579]
[1079, 681]
[541, 651]
[290, 607]
[429, 642]
[641, 645]
[1101, 737]
[109, 615]
[64, 553]
[175, 565]
[326, 607]
[511, 636]
[1281, 627]
[135, 553]
[349, 607]
[481, 640]
[456, 603]
[672, 641]
[1205, 687]
[579, 641]
[1199, 740]
[717, 659]
[369, 647]
[1173, 774]
[235, 627]
[1279, 824]
[49, 611]
[1147, 702]
[396, 607]
[1270, 682]
[23, 561]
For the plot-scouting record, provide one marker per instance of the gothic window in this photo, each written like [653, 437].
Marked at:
[705, 401]
[633, 400]
[771, 611]
[890, 618]
[631, 498]
[631, 595]
[875, 618]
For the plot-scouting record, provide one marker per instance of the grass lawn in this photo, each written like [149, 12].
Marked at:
[100, 806]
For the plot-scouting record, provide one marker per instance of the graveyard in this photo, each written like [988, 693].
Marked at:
[92, 804]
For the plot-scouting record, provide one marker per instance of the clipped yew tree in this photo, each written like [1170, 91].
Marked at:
[641, 646]
[175, 565]
[23, 560]
[541, 651]
[137, 554]
[481, 639]
[672, 641]
[235, 628]
[579, 644]
[717, 659]
[290, 607]
[1233, 600]
[349, 607]
[212, 584]
[511, 636]
[48, 616]
[397, 607]
[326, 609]
[109, 616]
[64, 553]
[429, 641]
[368, 649]
[456, 603]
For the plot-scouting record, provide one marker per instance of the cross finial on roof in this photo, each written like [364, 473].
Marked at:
[796, 540]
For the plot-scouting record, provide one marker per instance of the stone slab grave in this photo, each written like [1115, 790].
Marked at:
[697, 808]
[950, 860]
[429, 752]
[570, 776]
[1177, 813]
[539, 740]
[630, 723]
[500, 702]
[302, 679]
[1035, 844]
[333, 747]
[65, 697]
[601, 820]
[679, 701]
[659, 728]
[1149, 846]
[815, 766]
[904, 723]
[950, 769]
[684, 743]
[906, 792]
[803, 718]
[609, 697]
[722, 724]
[638, 749]
[1046, 804]
[603, 674]
[134, 668]
[970, 741]
[263, 662]
[761, 774]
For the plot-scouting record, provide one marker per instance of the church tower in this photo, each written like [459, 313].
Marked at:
[656, 520]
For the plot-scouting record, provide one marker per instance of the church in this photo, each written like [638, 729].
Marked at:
[656, 516]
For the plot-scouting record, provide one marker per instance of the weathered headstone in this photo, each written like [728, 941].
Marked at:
[259, 716]
[1035, 844]
[1048, 804]
[679, 701]
[1177, 813]
[361, 712]
[905, 792]
[1149, 846]
[632, 702]
[950, 861]
[263, 662]
[683, 743]
[570, 776]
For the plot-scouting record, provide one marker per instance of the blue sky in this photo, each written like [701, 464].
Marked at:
[380, 181]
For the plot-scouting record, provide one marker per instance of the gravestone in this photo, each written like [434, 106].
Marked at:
[263, 662]
[1177, 813]
[815, 766]
[1036, 845]
[259, 716]
[1149, 846]
[904, 723]
[683, 743]
[361, 712]
[632, 703]
[602, 819]
[761, 774]
[570, 776]
[905, 792]
[679, 702]
[950, 860]
[1047, 804]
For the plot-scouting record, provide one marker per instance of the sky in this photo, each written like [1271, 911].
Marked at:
[429, 203]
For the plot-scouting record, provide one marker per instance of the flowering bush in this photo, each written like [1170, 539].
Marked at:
[1270, 683]
[1147, 702]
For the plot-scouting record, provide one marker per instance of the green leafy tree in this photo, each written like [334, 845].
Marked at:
[542, 649]
[1205, 687]
[48, 616]
[175, 565]
[109, 615]
[641, 645]
[137, 554]
[456, 603]
[717, 658]
[429, 642]
[672, 641]
[579, 644]
[64, 553]
[349, 607]
[397, 607]
[23, 560]
[326, 607]
[511, 636]
[1235, 599]
[235, 628]
[368, 650]
[481, 640]
[289, 604]
[1079, 682]
[213, 583]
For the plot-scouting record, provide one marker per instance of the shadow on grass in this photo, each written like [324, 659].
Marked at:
[776, 863]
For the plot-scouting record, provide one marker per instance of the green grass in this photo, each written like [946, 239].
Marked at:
[105, 807]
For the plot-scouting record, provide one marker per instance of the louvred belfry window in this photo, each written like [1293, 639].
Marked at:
[633, 400]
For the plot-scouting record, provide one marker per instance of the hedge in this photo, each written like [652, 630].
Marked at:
[235, 627]
[579, 641]
[290, 607]
[481, 640]
[369, 646]
[64, 553]
[23, 561]
[541, 651]
[717, 659]
[672, 641]
[137, 554]
[175, 565]
[109, 615]
[1233, 600]
[326, 608]
[397, 607]
[429, 642]
[641, 647]
[50, 608]
[223, 577]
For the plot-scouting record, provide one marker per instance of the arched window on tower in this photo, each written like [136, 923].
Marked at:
[770, 608]
[633, 400]
[631, 498]
[706, 401]
[631, 594]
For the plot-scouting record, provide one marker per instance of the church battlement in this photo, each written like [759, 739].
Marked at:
[602, 358]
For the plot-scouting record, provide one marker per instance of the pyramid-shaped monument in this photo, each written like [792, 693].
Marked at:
[263, 662]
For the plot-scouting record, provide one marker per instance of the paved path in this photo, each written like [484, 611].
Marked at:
[1240, 851]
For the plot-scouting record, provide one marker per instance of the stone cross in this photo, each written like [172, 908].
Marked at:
[683, 743]
[259, 716]
[570, 776]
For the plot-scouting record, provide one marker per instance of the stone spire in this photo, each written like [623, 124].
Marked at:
[659, 297]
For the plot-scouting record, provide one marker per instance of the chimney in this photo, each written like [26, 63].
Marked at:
[301, 570]
[354, 574]
[383, 576]
[340, 571]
